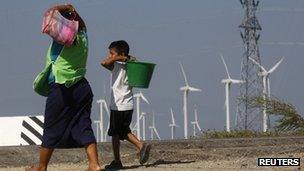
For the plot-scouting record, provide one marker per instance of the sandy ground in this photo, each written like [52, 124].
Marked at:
[196, 154]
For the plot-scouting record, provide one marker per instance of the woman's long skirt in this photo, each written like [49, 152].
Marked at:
[67, 122]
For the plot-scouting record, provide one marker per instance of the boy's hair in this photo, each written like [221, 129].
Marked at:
[121, 47]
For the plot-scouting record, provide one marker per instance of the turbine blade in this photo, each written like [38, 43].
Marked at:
[144, 98]
[108, 126]
[184, 74]
[225, 65]
[255, 62]
[194, 89]
[141, 116]
[172, 116]
[107, 109]
[155, 130]
[275, 66]
[195, 115]
[198, 127]
[237, 81]
[134, 127]
[196, 119]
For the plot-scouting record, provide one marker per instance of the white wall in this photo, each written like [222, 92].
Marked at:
[11, 128]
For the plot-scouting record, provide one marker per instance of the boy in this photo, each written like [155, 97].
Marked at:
[121, 104]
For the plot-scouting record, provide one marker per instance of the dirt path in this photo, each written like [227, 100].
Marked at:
[204, 154]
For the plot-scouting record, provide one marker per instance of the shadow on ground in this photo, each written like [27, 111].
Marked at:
[157, 163]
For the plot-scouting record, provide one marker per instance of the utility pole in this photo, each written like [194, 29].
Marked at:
[248, 117]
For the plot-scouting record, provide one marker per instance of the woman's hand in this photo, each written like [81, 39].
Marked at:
[70, 8]
[64, 8]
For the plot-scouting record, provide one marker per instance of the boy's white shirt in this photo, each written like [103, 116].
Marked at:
[121, 92]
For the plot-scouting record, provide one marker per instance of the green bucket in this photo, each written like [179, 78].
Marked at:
[139, 74]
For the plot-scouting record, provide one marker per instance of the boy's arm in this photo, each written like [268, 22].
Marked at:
[109, 61]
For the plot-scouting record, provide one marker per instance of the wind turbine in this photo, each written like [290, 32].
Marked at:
[173, 124]
[266, 86]
[195, 123]
[186, 89]
[228, 81]
[138, 97]
[153, 128]
[142, 118]
[103, 105]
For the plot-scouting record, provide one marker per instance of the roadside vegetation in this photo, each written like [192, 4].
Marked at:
[288, 121]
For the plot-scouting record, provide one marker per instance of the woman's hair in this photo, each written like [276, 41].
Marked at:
[68, 15]
[121, 47]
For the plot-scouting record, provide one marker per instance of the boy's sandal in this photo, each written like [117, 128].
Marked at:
[144, 153]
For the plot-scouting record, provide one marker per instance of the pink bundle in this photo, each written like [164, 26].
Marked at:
[59, 28]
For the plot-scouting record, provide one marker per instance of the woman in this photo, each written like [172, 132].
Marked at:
[67, 122]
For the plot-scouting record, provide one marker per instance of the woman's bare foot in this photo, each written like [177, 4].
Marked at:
[94, 168]
[35, 168]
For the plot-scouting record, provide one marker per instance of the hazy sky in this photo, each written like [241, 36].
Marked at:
[163, 32]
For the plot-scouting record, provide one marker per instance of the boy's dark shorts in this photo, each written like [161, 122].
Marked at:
[120, 123]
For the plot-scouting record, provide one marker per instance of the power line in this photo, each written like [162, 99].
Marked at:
[284, 43]
[280, 9]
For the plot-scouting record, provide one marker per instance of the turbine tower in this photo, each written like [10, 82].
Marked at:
[186, 89]
[172, 124]
[138, 97]
[103, 106]
[143, 118]
[195, 123]
[153, 128]
[97, 122]
[266, 87]
[248, 117]
[228, 81]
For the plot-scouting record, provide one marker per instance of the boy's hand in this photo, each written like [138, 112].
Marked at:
[121, 58]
